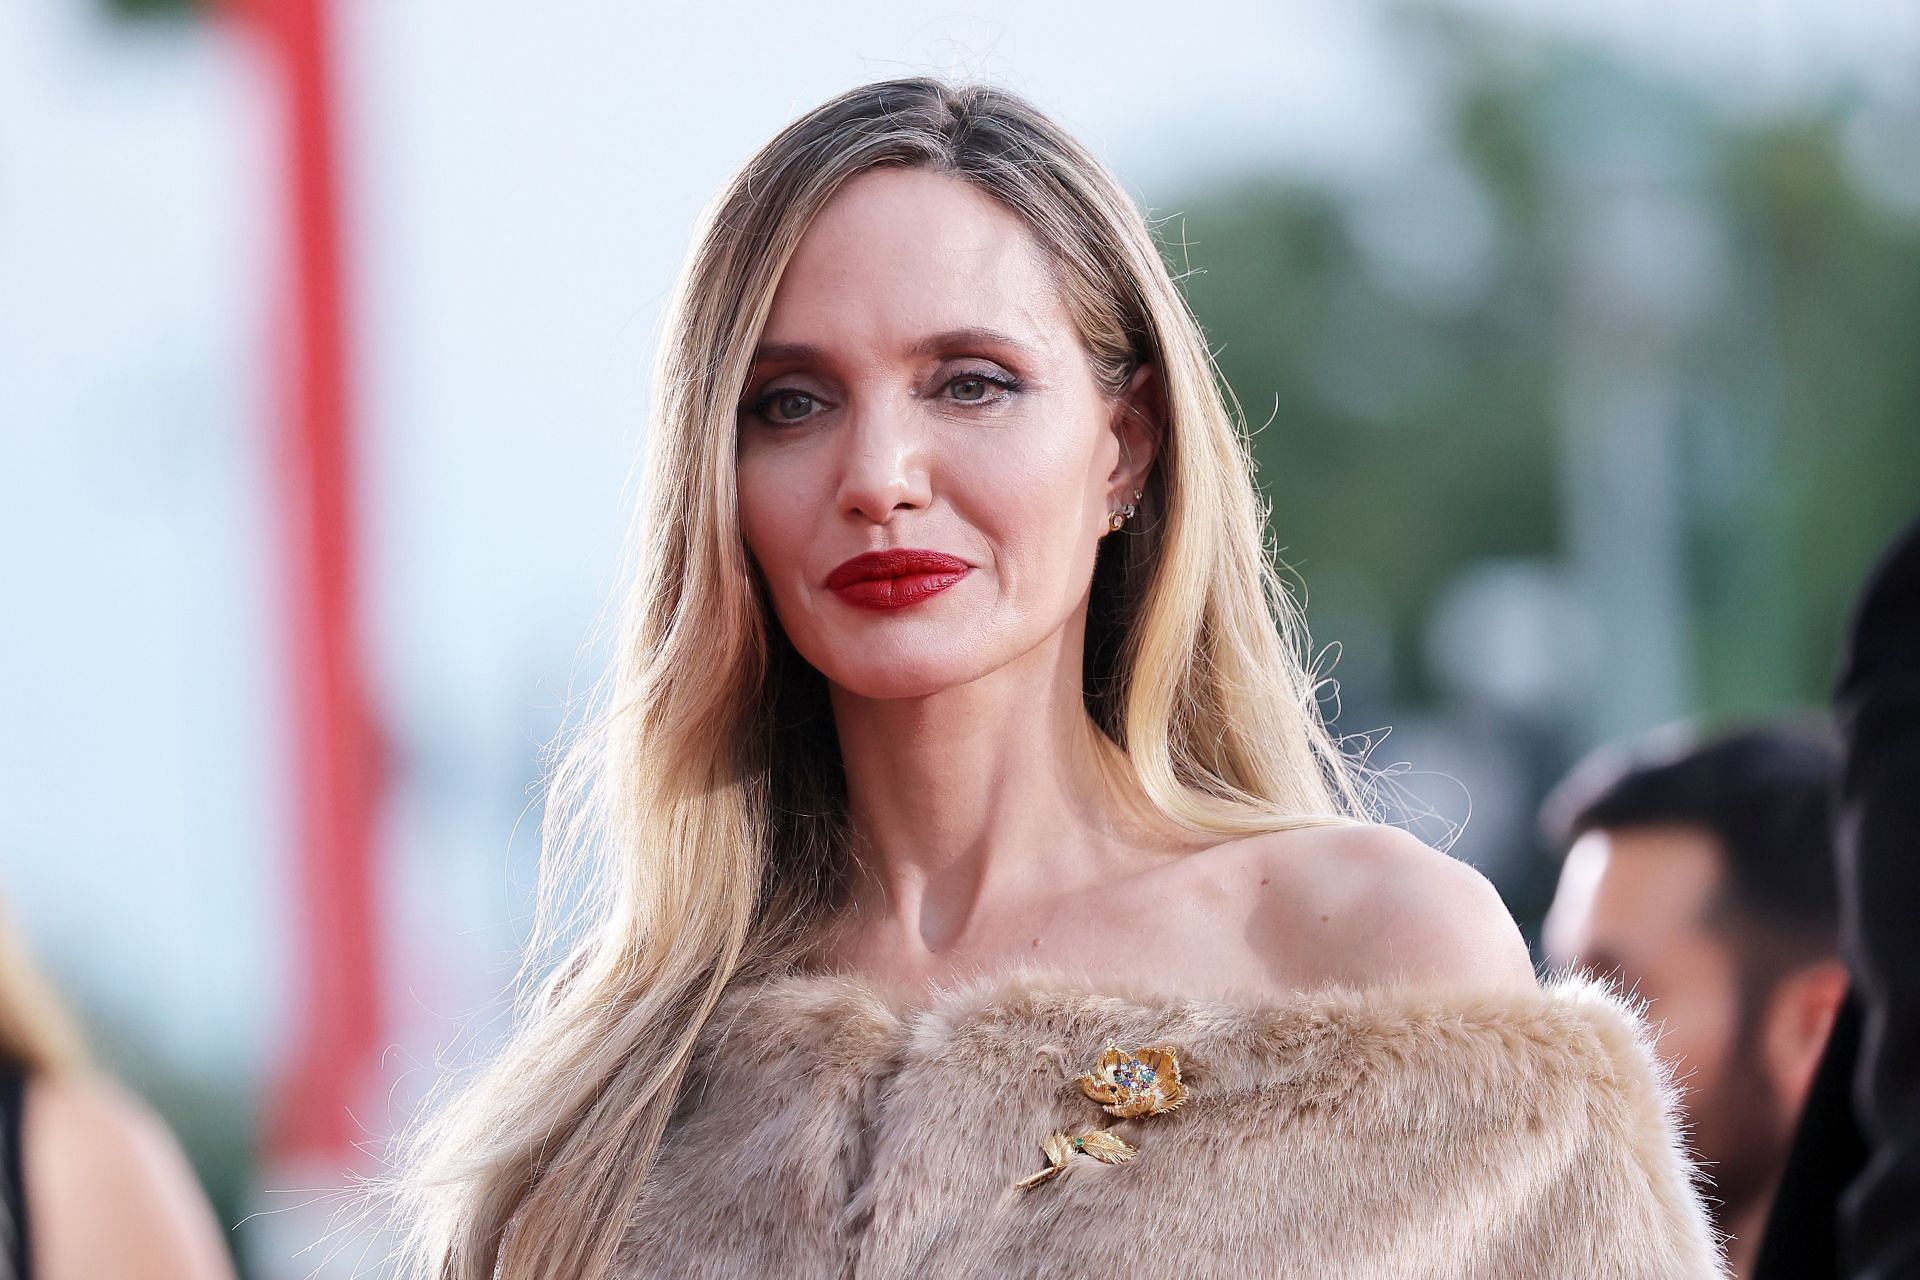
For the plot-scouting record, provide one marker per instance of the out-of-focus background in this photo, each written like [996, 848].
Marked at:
[1583, 352]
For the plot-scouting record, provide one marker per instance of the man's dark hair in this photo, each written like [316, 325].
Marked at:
[1765, 793]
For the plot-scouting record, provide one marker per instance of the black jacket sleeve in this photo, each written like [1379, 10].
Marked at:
[1878, 706]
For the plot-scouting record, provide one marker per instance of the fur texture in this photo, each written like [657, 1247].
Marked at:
[829, 1129]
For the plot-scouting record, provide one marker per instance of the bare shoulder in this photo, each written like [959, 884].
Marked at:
[111, 1192]
[1366, 905]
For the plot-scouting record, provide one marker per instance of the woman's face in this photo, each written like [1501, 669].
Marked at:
[920, 386]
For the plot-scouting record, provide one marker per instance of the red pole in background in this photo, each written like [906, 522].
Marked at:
[336, 783]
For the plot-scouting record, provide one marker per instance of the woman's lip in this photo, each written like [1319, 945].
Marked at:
[899, 591]
[896, 562]
[896, 577]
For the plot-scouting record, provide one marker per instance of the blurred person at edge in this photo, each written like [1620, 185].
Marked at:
[92, 1184]
[1848, 1202]
[1700, 876]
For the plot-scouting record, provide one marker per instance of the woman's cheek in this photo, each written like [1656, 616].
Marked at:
[1041, 493]
[761, 524]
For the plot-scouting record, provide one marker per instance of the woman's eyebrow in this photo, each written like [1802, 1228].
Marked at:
[785, 353]
[967, 338]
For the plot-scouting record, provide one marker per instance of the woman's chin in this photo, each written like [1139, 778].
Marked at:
[904, 676]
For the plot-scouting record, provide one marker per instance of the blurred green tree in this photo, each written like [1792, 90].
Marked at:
[1408, 401]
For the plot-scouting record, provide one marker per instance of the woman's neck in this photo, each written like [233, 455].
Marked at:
[977, 802]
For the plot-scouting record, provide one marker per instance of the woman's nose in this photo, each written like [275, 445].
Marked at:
[883, 467]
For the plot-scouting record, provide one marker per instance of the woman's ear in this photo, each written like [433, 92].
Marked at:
[1139, 423]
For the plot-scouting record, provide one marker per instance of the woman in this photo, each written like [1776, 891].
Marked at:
[91, 1182]
[974, 890]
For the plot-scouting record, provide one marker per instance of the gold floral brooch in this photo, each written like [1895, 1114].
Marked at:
[1145, 1082]
[1127, 1084]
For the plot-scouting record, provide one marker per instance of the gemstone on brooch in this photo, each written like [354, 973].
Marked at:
[1140, 1082]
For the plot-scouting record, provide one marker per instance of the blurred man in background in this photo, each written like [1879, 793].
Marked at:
[1701, 879]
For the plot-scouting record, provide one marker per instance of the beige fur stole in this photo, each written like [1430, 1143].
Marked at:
[829, 1129]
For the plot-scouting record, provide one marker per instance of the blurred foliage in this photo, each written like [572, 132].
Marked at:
[156, 8]
[1845, 308]
[1404, 433]
[1392, 442]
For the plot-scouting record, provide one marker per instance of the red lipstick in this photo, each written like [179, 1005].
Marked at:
[895, 578]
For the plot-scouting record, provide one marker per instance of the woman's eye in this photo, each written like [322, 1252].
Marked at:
[980, 388]
[793, 404]
[784, 405]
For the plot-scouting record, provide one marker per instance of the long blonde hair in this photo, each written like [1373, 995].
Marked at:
[698, 817]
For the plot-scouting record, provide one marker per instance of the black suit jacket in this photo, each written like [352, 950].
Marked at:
[1849, 1203]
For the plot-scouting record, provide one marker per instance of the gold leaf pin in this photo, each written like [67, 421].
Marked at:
[1107, 1148]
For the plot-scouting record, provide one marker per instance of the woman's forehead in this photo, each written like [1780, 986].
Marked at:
[899, 257]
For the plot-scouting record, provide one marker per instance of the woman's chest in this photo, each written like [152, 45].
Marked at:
[1223, 926]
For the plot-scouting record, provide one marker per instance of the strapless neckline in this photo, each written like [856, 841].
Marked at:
[1044, 982]
[1230, 1043]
